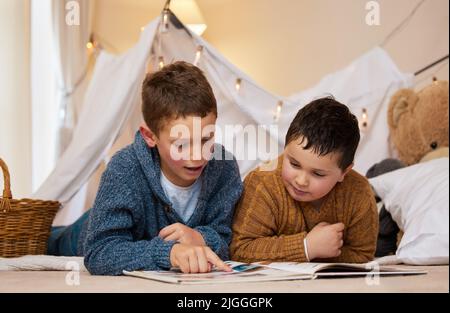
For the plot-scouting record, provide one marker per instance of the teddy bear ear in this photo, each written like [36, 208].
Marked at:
[401, 102]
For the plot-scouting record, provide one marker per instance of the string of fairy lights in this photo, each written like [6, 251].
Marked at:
[164, 28]
[94, 46]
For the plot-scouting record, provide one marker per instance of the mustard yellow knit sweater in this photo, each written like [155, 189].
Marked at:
[269, 225]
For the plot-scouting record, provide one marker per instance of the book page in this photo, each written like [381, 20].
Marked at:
[242, 272]
[336, 269]
[296, 267]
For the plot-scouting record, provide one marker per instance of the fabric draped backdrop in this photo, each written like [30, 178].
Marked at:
[111, 108]
[71, 66]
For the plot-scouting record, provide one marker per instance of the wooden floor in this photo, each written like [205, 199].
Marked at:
[437, 280]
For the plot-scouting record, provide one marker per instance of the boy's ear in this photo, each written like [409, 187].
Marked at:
[149, 136]
[345, 172]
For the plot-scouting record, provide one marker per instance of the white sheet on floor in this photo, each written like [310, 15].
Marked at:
[42, 263]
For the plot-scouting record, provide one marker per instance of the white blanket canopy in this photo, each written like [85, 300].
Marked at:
[112, 106]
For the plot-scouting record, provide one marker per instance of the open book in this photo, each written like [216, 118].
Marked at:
[275, 271]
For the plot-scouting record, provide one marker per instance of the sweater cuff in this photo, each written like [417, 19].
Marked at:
[205, 231]
[215, 241]
[294, 247]
[305, 246]
[162, 256]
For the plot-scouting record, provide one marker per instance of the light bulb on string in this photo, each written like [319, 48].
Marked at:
[198, 55]
[238, 84]
[278, 111]
[165, 21]
[93, 46]
[364, 122]
[161, 62]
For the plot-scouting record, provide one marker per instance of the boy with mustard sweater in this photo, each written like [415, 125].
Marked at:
[313, 206]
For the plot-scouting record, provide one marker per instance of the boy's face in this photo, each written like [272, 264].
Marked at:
[185, 145]
[307, 176]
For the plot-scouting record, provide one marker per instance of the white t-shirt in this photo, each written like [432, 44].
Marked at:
[184, 199]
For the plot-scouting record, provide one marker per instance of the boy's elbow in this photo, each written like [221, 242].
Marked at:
[362, 257]
[97, 268]
[97, 264]
[234, 255]
[237, 251]
[368, 256]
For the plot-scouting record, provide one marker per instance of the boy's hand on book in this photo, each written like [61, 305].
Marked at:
[195, 259]
[182, 234]
[325, 240]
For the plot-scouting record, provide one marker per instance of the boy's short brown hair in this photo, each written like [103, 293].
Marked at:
[178, 90]
[328, 126]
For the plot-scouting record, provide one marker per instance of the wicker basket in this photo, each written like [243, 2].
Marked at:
[24, 224]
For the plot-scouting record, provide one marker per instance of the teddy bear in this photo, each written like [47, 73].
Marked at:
[418, 126]
[418, 123]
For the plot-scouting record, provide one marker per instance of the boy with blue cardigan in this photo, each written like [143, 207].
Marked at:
[160, 204]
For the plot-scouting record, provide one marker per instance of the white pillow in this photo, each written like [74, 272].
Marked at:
[417, 197]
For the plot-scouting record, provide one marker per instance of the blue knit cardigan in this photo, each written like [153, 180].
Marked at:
[131, 208]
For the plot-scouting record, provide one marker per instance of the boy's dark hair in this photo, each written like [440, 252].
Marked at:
[178, 90]
[328, 126]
